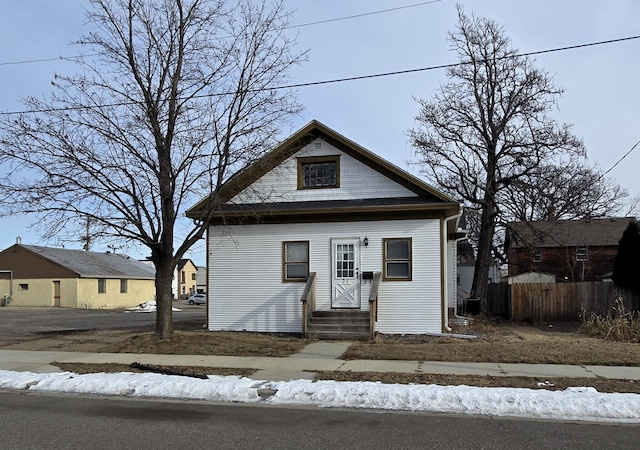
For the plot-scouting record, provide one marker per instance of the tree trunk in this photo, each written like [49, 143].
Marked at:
[483, 259]
[164, 300]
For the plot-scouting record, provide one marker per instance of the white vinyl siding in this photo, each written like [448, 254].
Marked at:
[357, 181]
[247, 291]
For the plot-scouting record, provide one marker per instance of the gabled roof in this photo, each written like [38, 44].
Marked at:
[567, 233]
[184, 261]
[307, 134]
[92, 264]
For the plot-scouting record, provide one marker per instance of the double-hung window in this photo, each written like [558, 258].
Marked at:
[295, 260]
[102, 286]
[397, 259]
[536, 255]
[582, 253]
[124, 285]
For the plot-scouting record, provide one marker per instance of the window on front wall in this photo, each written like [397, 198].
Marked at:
[295, 261]
[193, 276]
[536, 255]
[23, 287]
[102, 286]
[124, 286]
[319, 172]
[582, 253]
[397, 259]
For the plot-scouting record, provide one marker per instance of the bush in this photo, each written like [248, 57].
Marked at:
[623, 325]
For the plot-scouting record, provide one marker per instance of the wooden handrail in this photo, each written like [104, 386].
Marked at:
[373, 304]
[308, 300]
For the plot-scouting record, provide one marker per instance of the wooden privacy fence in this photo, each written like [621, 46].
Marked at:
[547, 302]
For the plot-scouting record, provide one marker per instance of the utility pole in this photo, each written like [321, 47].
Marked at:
[87, 237]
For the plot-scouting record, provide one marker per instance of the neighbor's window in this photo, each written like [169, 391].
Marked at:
[124, 285]
[537, 255]
[397, 259]
[582, 253]
[193, 276]
[23, 286]
[318, 172]
[295, 261]
[102, 286]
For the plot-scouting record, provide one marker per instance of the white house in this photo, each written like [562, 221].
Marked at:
[321, 204]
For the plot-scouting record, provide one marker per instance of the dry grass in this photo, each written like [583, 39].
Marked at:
[84, 368]
[209, 343]
[503, 343]
[622, 325]
[495, 342]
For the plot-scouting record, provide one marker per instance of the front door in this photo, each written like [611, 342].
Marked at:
[345, 281]
[56, 293]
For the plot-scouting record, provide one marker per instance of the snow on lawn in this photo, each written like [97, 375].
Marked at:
[147, 307]
[571, 404]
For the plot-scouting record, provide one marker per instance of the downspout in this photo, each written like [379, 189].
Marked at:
[455, 305]
[445, 271]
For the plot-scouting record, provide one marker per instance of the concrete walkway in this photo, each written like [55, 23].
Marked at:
[318, 356]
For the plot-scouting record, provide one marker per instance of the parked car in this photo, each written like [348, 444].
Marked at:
[197, 299]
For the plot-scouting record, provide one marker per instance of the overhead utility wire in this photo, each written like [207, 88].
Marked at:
[307, 24]
[619, 161]
[336, 80]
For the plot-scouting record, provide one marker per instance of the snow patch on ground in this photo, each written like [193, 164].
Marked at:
[147, 307]
[577, 403]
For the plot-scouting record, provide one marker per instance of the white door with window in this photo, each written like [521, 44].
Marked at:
[345, 278]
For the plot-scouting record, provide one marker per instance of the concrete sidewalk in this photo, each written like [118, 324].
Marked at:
[318, 356]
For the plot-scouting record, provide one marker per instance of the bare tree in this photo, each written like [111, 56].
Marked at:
[171, 98]
[488, 127]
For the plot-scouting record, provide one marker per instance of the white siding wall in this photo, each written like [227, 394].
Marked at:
[357, 181]
[245, 276]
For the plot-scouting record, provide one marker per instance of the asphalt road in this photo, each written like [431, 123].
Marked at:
[22, 322]
[35, 421]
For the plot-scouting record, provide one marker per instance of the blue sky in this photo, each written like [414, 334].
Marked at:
[602, 92]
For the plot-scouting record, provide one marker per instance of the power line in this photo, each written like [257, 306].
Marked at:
[307, 24]
[335, 80]
[361, 15]
[620, 160]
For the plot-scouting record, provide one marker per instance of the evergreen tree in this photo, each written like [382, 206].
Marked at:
[626, 266]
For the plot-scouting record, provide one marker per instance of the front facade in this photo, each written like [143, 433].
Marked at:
[187, 278]
[570, 250]
[321, 204]
[44, 276]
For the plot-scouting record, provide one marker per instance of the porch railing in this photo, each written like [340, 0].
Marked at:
[373, 304]
[308, 300]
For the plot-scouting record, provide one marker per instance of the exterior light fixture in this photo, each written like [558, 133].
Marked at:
[366, 242]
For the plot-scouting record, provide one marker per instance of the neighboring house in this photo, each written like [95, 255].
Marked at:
[201, 280]
[571, 250]
[187, 278]
[44, 276]
[320, 203]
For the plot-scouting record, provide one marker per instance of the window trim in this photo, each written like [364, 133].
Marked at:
[385, 260]
[584, 257]
[285, 279]
[313, 160]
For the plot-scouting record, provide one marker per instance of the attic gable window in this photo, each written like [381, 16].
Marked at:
[582, 253]
[319, 172]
